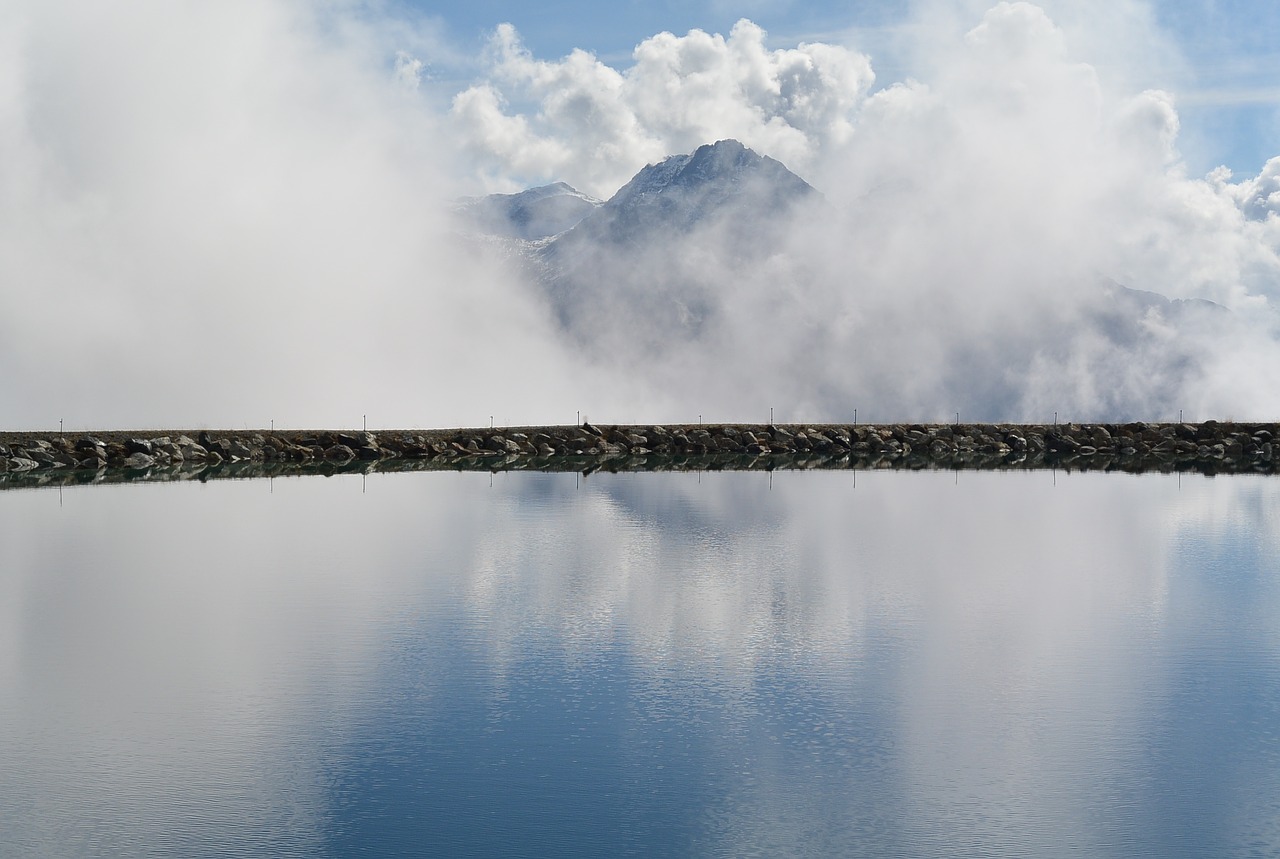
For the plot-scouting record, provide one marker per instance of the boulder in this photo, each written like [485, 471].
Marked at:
[139, 460]
[239, 451]
[339, 453]
[191, 449]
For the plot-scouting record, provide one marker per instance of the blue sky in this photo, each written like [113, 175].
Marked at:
[1223, 55]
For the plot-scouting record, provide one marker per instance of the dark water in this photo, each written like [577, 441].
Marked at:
[649, 665]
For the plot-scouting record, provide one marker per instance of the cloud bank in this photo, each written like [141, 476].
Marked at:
[594, 126]
[234, 214]
[980, 212]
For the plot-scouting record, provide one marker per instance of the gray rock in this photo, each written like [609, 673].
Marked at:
[339, 453]
[139, 461]
[39, 454]
[239, 451]
[64, 460]
[191, 449]
[355, 440]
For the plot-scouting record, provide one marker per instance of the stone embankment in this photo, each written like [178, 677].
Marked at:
[1211, 447]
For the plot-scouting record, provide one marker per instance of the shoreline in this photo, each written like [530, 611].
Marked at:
[29, 459]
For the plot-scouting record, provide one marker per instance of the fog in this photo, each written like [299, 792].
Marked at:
[980, 215]
[232, 214]
[238, 214]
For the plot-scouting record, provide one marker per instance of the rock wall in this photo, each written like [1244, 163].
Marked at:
[1210, 447]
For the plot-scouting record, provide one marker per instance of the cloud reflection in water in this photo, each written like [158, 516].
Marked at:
[914, 662]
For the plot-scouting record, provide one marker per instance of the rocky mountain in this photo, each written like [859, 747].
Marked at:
[537, 213]
[713, 183]
[650, 265]
[699, 254]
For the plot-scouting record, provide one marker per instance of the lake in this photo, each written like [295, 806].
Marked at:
[816, 664]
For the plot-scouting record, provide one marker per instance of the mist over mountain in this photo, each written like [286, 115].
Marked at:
[698, 250]
[653, 264]
[529, 215]
[254, 219]
[715, 183]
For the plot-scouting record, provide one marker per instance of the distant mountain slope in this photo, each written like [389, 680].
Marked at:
[723, 265]
[676, 195]
[537, 213]
[653, 263]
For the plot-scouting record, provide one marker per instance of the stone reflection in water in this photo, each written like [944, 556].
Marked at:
[798, 663]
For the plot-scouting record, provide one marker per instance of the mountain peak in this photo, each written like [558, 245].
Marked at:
[683, 190]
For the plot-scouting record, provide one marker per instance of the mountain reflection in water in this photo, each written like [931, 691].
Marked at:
[674, 664]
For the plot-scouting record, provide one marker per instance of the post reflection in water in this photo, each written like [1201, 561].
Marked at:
[725, 664]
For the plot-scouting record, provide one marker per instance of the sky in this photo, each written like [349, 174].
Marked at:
[239, 214]
[1221, 58]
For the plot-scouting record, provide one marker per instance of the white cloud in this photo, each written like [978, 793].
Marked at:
[234, 214]
[580, 120]
[981, 206]
[409, 70]
[237, 214]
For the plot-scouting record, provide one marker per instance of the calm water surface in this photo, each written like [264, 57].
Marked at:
[897, 664]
